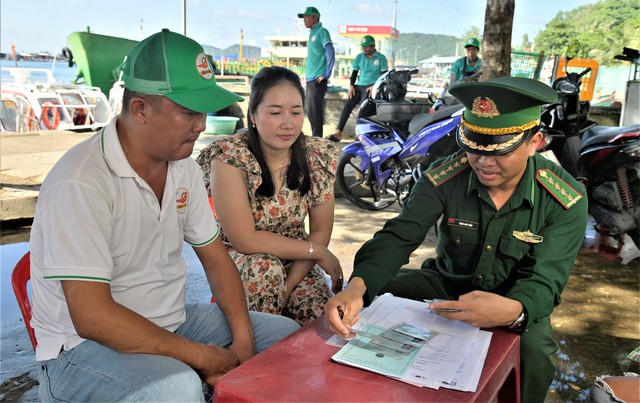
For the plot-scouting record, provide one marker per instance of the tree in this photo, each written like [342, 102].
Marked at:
[496, 41]
[526, 45]
[602, 29]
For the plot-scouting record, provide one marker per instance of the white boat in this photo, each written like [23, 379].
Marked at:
[32, 99]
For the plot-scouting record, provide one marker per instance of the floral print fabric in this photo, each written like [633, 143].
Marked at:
[264, 275]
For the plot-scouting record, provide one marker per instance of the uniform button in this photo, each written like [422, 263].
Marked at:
[479, 277]
[153, 201]
[458, 242]
[489, 248]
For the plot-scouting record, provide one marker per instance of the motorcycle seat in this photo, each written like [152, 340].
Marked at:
[602, 134]
[421, 120]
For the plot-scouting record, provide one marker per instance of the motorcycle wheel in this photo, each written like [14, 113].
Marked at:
[357, 186]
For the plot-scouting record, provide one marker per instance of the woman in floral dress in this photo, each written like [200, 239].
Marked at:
[265, 182]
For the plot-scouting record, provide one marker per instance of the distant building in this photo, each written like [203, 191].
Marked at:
[290, 49]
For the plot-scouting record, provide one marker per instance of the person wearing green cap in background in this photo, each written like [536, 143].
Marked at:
[320, 60]
[366, 67]
[512, 225]
[469, 64]
[107, 269]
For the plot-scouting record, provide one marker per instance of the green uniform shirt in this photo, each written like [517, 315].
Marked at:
[316, 59]
[476, 248]
[369, 69]
[460, 70]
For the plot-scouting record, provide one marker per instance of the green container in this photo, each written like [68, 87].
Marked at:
[220, 125]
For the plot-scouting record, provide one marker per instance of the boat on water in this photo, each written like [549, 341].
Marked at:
[31, 99]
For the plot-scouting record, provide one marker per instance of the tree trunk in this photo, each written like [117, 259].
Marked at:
[496, 41]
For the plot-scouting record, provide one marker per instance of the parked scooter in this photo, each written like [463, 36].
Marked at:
[395, 141]
[566, 120]
[606, 159]
[610, 161]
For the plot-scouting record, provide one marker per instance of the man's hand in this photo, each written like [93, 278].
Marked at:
[369, 89]
[342, 310]
[351, 92]
[243, 351]
[481, 309]
[319, 79]
[216, 362]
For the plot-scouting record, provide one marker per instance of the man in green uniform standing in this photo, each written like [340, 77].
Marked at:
[320, 60]
[469, 64]
[512, 225]
[366, 68]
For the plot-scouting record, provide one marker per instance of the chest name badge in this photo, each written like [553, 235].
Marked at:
[528, 236]
[463, 224]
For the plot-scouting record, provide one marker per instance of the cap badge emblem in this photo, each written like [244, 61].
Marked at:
[203, 66]
[484, 108]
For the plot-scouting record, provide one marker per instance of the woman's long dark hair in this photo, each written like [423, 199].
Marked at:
[298, 176]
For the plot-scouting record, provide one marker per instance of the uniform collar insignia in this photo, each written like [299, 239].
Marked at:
[484, 108]
[558, 188]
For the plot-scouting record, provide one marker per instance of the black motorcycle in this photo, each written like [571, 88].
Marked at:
[610, 160]
[606, 159]
[567, 120]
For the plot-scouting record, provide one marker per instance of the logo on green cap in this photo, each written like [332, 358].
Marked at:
[204, 68]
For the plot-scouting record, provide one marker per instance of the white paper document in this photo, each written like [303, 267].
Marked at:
[403, 339]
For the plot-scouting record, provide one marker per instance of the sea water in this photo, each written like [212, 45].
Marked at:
[10, 254]
[61, 70]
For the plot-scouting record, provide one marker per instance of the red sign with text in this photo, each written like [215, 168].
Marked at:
[380, 30]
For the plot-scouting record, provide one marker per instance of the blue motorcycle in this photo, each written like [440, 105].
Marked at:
[396, 140]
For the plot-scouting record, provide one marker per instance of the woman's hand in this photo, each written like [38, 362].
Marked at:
[331, 265]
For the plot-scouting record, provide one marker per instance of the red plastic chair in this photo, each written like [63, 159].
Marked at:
[19, 279]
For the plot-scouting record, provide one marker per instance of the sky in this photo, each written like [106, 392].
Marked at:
[43, 25]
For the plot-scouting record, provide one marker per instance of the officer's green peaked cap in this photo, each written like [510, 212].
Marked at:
[499, 112]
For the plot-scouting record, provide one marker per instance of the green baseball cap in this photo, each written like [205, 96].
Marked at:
[499, 113]
[472, 42]
[310, 11]
[367, 40]
[170, 64]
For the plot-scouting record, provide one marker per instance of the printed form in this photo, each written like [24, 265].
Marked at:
[403, 339]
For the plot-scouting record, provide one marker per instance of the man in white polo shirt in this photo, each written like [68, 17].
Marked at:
[108, 275]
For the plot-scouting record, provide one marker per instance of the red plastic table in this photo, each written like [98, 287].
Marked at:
[299, 369]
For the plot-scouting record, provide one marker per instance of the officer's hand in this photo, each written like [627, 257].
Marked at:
[342, 310]
[481, 309]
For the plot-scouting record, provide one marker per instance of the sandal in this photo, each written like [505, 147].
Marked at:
[333, 138]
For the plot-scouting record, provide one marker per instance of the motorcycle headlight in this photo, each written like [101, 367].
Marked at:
[566, 87]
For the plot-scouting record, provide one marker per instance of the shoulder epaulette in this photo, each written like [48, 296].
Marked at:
[559, 189]
[448, 170]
